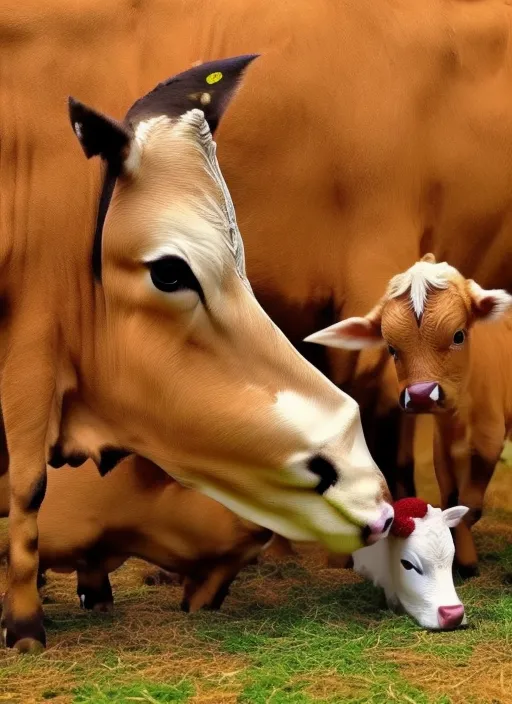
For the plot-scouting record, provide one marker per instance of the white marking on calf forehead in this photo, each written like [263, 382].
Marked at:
[431, 537]
[421, 277]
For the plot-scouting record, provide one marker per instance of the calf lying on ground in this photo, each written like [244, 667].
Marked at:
[451, 367]
[93, 525]
[414, 564]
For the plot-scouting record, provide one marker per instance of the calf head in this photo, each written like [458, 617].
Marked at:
[414, 564]
[421, 553]
[425, 320]
[186, 368]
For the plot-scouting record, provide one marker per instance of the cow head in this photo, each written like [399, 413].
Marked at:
[421, 553]
[414, 564]
[425, 319]
[187, 369]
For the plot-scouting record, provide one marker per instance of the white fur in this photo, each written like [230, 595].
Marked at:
[430, 547]
[502, 300]
[419, 279]
[317, 424]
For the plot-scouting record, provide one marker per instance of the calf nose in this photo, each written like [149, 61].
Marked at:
[422, 397]
[379, 529]
[450, 616]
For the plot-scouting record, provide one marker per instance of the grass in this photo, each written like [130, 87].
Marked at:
[292, 631]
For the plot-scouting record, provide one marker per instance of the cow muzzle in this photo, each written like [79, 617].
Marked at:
[423, 397]
[450, 616]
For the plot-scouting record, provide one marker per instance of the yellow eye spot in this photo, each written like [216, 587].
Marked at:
[214, 78]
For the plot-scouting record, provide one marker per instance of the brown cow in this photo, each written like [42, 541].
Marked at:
[366, 134]
[93, 525]
[165, 352]
[449, 365]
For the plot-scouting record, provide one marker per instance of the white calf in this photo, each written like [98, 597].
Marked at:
[414, 564]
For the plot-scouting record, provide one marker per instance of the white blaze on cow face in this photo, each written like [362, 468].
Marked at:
[193, 373]
[416, 572]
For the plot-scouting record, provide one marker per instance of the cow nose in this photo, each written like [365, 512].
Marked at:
[379, 529]
[422, 397]
[450, 616]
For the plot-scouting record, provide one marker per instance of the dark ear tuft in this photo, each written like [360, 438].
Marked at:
[98, 134]
[208, 87]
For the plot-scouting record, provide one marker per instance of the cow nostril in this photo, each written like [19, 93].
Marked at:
[387, 524]
[325, 470]
[451, 616]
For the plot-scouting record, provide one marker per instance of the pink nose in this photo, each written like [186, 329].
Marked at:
[421, 397]
[450, 616]
[378, 529]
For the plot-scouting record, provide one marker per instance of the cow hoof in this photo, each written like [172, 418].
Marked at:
[88, 603]
[467, 571]
[185, 606]
[29, 646]
[25, 636]
[103, 607]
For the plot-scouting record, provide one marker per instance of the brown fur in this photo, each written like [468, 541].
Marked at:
[385, 138]
[92, 525]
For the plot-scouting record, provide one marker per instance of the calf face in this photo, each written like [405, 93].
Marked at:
[425, 319]
[187, 369]
[421, 568]
[414, 564]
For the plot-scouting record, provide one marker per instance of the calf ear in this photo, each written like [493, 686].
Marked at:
[429, 258]
[488, 304]
[453, 516]
[100, 135]
[353, 333]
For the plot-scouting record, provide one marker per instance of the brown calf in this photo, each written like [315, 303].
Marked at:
[93, 525]
[447, 365]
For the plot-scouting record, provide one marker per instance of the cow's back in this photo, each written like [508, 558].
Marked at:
[366, 134]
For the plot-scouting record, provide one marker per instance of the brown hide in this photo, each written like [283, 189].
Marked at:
[368, 134]
[92, 525]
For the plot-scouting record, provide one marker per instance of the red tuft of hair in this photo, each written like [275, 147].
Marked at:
[405, 511]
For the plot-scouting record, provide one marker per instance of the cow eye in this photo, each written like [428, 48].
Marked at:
[409, 566]
[459, 337]
[171, 274]
[392, 351]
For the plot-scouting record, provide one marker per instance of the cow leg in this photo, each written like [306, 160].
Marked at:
[405, 485]
[455, 478]
[384, 444]
[28, 398]
[94, 590]
[208, 591]
[472, 488]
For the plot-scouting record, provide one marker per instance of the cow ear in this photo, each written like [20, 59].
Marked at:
[429, 258]
[489, 304]
[356, 333]
[208, 87]
[100, 135]
[453, 516]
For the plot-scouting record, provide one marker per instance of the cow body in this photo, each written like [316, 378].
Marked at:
[92, 525]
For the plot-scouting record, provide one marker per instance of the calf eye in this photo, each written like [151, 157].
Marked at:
[392, 351]
[459, 337]
[171, 274]
[409, 566]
